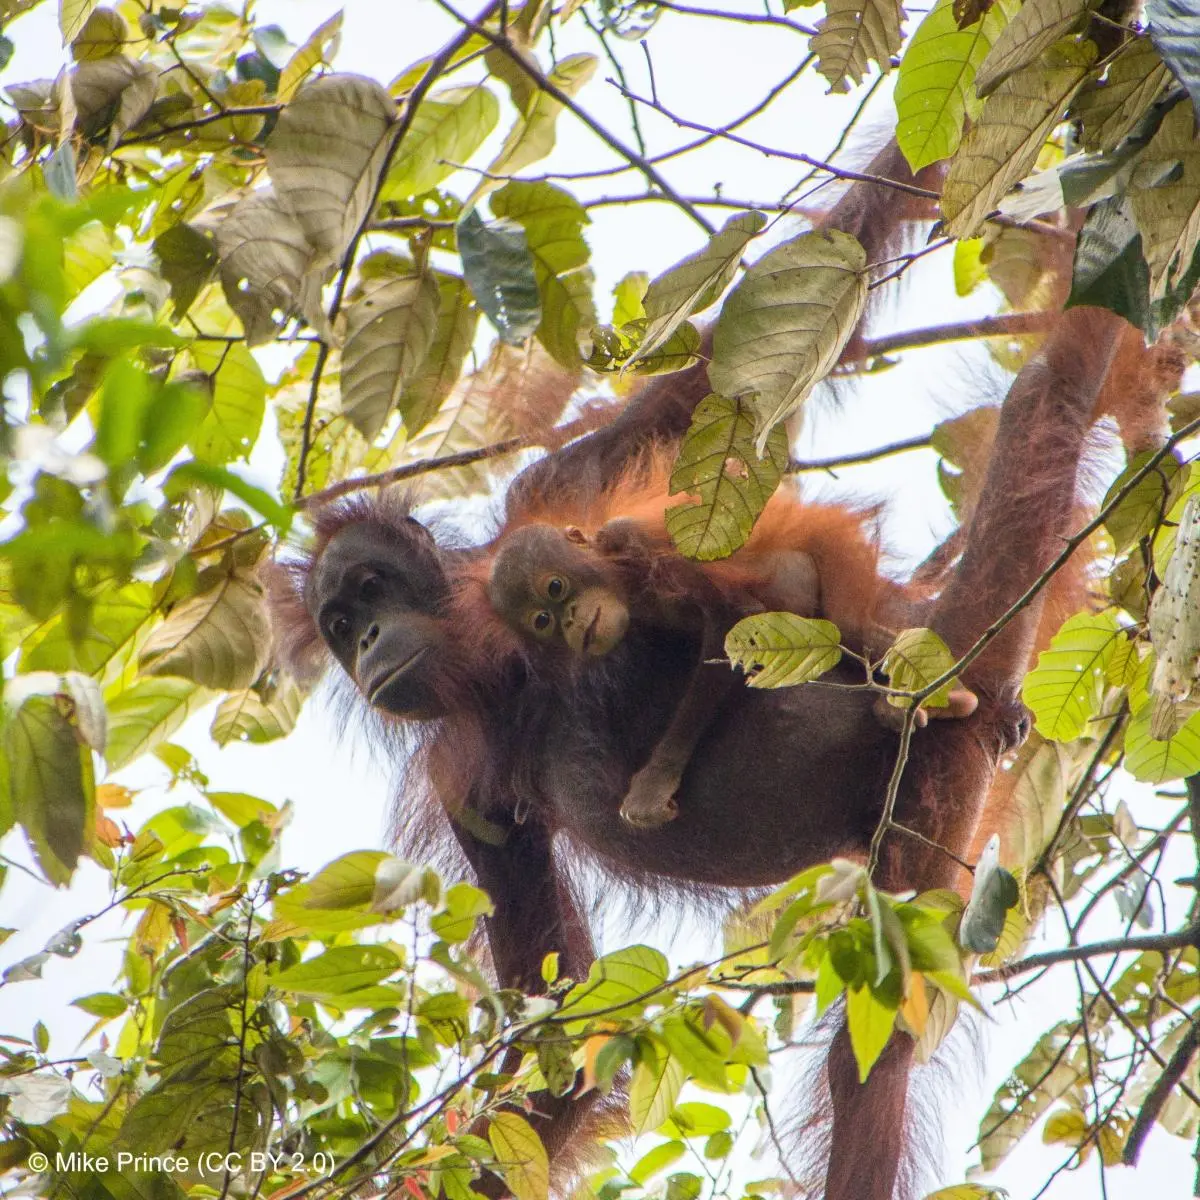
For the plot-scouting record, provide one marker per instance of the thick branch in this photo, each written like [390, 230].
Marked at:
[1160, 1093]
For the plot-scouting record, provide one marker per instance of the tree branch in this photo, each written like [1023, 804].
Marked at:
[1000, 325]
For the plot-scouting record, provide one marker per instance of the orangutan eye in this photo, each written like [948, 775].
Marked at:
[556, 588]
[371, 589]
[338, 627]
[541, 621]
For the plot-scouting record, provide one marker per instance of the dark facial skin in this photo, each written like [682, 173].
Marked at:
[374, 594]
[547, 584]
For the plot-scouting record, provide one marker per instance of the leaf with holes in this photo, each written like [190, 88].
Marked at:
[325, 156]
[1175, 613]
[1037, 25]
[718, 466]
[1168, 215]
[913, 661]
[782, 649]
[852, 35]
[1065, 689]
[259, 714]
[933, 87]
[390, 327]
[553, 221]
[694, 284]
[785, 324]
[239, 401]
[267, 266]
[219, 638]
[1001, 148]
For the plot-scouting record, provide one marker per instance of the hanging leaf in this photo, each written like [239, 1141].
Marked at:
[320, 47]
[259, 714]
[852, 35]
[390, 327]
[553, 221]
[239, 401]
[782, 649]
[448, 128]
[1002, 146]
[993, 893]
[694, 284]
[499, 268]
[521, 1157]
[325, 156]
[1169, 215]
[1065, 689]
[718, 466]
[913, 661]
[1035, 27]
[1113, 106]
[933, 88]
[219, 638]
[785, 324]
[870, 1024]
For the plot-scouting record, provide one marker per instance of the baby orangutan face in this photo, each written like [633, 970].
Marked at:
[551, 585]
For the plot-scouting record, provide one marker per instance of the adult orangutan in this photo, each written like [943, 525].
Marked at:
[532, 773]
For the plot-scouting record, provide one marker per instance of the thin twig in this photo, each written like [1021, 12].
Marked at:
[920, 442]
[551, 89]
[1000, 325]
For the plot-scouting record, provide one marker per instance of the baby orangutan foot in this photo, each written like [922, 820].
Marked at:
[650, 801]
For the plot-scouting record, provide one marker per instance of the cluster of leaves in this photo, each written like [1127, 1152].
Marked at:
[191, 187]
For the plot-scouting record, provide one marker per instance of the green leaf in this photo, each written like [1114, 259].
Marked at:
[782, 649]
[870, 1028]
[694, 1119]
[51, 781]
[1154, 761]
[654, 1088]
[462, 907]
[390, 328]
[147, 713]
[619, 984]
[114, 618]
[318, 48]
[1002, 146]
[102, 1004]
[913, 661]
[263, 713]
[448, 128]
[694, 284]
[1034, 28]
[220, 638]
[339, 971]
[521, 1157]
[553, 221]
[532, 136]
[656, 1160]
[239, 400]
[222, 480]
[934, 92]
[785, 324]
[1173, 31]
[1141, 512]
[1065, 689]
[717, 465]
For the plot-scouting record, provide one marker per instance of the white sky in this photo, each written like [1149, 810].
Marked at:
[710, 72]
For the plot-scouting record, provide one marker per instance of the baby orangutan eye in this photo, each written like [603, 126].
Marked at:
[339, 627]
[555, 588]
[541, 621]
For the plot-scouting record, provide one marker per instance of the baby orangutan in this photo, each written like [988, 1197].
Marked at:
[577, 596]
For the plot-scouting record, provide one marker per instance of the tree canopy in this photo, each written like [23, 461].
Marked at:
[216, 243]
